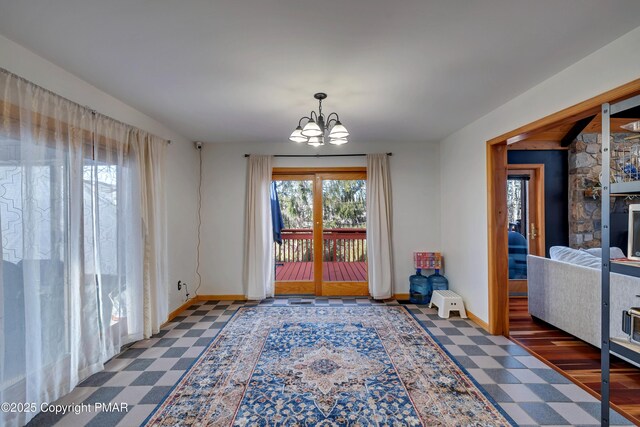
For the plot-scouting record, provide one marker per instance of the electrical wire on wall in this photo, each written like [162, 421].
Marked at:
[199, 148]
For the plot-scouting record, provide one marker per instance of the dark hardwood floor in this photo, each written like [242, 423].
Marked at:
[576, 359]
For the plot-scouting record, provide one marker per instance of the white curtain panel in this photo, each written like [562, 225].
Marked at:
[150, 153]
[258, 234]
[72, 282]
[379, 250]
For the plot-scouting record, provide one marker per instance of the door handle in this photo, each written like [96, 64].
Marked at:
[534, 232]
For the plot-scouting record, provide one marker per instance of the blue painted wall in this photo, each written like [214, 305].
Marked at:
[556, 191]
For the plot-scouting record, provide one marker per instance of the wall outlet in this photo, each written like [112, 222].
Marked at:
[186, 290]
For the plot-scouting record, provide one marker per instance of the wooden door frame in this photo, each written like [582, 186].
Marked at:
[535, 172]
[497, 194]
[317, 175]
[293, 287]
[536, 193]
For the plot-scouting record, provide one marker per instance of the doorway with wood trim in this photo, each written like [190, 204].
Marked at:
[322, 251]
[526, 228]
[550, 132]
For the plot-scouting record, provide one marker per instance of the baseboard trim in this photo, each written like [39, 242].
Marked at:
[222, 297]
[478, 321]
[401, 296]
[180, 309]
[175, 313]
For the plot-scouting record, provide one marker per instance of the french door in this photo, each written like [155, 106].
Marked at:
[323, 243]
[525, 210]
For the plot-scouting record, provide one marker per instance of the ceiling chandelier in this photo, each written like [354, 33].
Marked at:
[317, 124]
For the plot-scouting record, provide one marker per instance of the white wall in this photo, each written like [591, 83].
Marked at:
[463, 158]
[182, 157]
[182, 202]
[415, 177]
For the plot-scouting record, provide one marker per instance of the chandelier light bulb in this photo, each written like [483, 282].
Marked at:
[338, 141]
[297, 135]
[316, 141]
[311, 129]
[338, 131]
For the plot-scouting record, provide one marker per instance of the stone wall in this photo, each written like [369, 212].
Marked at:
[585, 165]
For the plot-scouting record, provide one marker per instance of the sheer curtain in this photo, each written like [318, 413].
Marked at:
[72, 279]
[150, 152]
[258, 231]
[379, 250]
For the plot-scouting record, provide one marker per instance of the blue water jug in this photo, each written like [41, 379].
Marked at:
[419, 289]
[438, 282]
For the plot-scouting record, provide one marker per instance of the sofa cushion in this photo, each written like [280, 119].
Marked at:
[613, 254]
[574, 256]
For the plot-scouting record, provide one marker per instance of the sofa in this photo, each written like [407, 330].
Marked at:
[568, 297]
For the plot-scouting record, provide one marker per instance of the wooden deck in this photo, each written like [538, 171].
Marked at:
[331, 271]
[576, 359]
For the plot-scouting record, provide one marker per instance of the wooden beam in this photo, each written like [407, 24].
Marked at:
[576, 130]
[616, 124]
[536, 145]
[569, 115]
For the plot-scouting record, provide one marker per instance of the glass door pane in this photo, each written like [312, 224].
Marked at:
[518, 213]
[294, 255]
[344, 236]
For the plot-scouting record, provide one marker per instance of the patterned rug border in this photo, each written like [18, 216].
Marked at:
[463, 369]
[206, 347]
[412, 316]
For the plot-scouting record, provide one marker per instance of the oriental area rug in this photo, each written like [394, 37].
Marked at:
[326, 366]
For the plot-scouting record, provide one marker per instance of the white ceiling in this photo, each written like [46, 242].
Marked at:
[246, 70]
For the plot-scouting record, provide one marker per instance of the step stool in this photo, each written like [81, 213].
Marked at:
[447, 301]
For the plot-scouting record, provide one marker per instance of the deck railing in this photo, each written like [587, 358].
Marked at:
[339, 244]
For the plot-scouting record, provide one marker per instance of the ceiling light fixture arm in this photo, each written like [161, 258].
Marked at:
[331, 121]
[303, 118]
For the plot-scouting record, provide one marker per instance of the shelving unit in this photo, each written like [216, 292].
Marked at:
[625, 349]
[626, 268]
[619, 346]
[625, 188]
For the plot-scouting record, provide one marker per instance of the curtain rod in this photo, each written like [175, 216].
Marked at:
[86, 107]
[320, 155]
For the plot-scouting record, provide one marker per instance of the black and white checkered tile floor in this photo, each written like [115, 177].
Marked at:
[528, 390]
